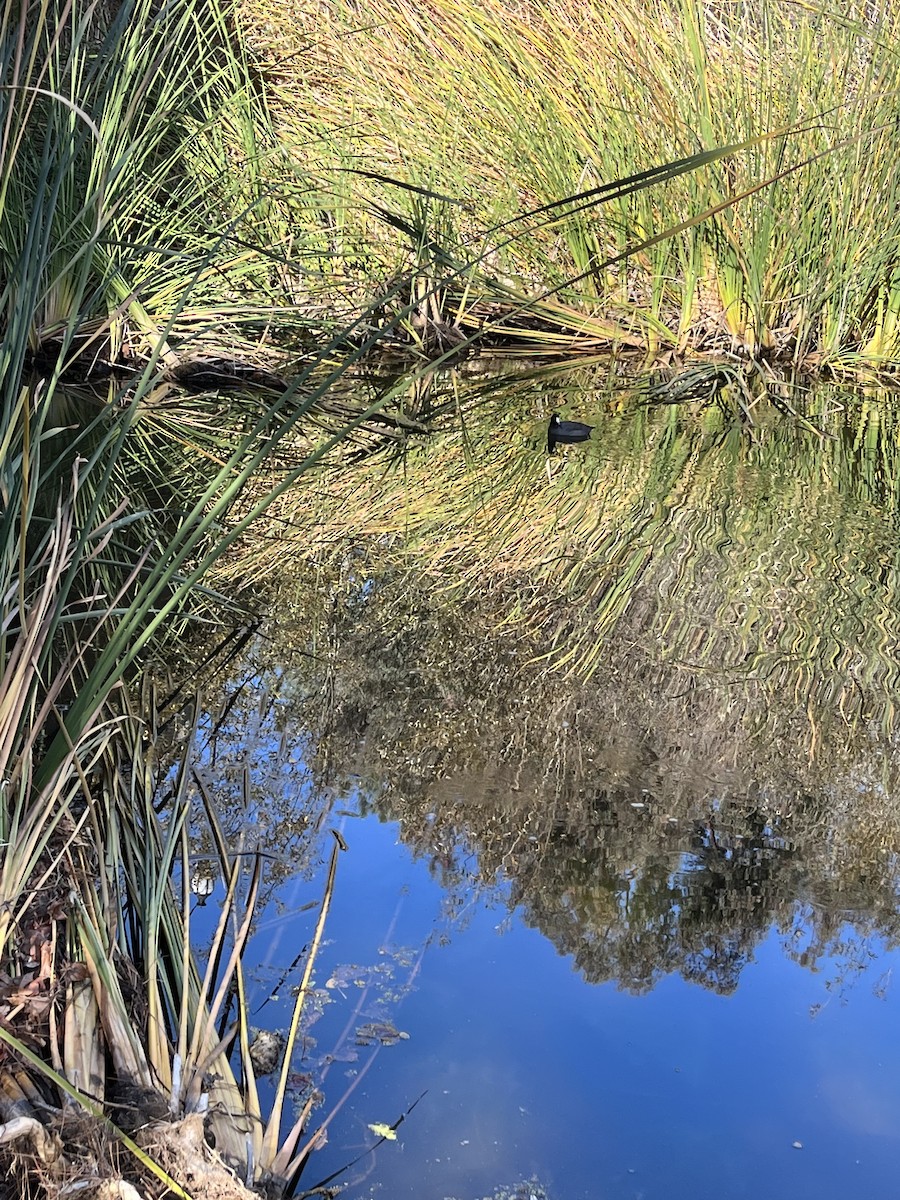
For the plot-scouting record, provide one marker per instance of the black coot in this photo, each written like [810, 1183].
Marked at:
[566, 432]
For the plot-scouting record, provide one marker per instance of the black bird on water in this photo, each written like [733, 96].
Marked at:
[565, 432]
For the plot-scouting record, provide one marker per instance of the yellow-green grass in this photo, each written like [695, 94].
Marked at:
[501, 109]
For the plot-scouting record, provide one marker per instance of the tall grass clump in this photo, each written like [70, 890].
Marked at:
[785, 248]
[143, 246]
[146, 214]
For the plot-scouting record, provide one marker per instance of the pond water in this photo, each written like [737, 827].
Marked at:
[787, 1086]
[612, 748]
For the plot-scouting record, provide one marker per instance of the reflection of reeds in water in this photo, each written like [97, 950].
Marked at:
[654, 818]
[758, 560]
[717, 755]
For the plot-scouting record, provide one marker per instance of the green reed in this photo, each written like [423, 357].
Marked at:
[143, 228]
[507, 109]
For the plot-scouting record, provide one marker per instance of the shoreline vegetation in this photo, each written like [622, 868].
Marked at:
[506, 128]
[662, 182]
[210, 218]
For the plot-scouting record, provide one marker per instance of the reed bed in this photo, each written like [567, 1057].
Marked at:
[503, 125]
[197, 241]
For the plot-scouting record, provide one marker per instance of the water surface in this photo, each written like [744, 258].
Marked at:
[612, 747]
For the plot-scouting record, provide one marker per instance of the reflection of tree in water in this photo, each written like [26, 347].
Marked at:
[654, 820]
[696, 898]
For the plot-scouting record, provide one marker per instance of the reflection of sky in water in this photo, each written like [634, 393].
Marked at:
[528, 1071]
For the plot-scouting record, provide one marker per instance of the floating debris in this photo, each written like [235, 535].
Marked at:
[381, 1032]
[266, 1051]
[384, 1131]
